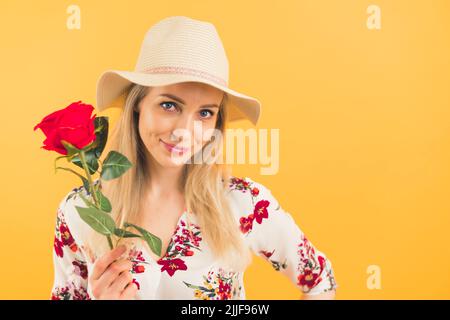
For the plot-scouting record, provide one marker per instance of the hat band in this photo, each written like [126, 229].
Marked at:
[192, 72]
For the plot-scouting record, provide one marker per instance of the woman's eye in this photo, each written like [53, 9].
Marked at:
[204, 113]
[167, 105]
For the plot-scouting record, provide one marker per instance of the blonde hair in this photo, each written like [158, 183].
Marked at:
[205, 187]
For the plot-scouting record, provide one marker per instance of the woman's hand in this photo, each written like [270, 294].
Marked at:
[330, 295]
[110, 278]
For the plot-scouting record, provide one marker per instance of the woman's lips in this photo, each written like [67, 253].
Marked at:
[172, 147]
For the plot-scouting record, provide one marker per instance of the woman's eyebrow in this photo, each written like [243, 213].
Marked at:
[171, 96]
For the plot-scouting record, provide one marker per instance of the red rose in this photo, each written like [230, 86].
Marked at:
[72, 124]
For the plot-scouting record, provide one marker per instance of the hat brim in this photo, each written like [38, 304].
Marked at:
[113, 83]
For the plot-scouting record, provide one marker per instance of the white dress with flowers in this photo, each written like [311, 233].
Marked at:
[188, 270]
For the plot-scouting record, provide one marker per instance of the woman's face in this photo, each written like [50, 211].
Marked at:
[174, 120]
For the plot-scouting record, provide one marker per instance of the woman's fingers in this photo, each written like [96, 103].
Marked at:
[103, 262]
[129, 292]
[113, 271]
[120, 282]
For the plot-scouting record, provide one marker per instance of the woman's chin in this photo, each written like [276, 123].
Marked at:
[172, 161]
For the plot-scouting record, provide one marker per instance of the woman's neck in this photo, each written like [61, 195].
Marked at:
[165, 181]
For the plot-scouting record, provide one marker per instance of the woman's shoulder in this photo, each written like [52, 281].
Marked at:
[246, 194]
[247, 186]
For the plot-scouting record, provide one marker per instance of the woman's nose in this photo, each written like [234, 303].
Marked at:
[185, 121]
[185, 127]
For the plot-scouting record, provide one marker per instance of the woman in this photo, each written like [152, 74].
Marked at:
[177, 104]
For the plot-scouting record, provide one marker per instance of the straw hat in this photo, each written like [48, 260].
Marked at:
[179, 49]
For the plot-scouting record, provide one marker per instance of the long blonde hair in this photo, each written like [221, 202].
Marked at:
[205, 186]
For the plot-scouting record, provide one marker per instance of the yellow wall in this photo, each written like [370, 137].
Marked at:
[363, 114]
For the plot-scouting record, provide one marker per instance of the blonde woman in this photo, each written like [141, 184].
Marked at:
[176, 106]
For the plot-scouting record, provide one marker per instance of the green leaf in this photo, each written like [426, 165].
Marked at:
[101, 135]
[105, 205]
[153, 241]
[57, 158]
[89, 203]
[91, 162]
[191, 285]
[71, 149]
[114, 165]
[91, 145]
[98, 220]
[83, 179]
[94, 150]
[125, 234]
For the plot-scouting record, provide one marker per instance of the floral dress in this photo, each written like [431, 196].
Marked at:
[189, 270]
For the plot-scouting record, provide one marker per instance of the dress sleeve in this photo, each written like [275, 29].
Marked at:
[69, 262]
[274, 235]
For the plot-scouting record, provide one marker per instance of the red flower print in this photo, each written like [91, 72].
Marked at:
[239, 184]
[172, 265]
[179, 239]
[80, 268]
[260, 210]
[140, 257]
[136, 255]
[58, 247]
[184, 241]
[224, 290]
[137, 258]
[73, 247]
[267, 254]
[246, 223]
[61, 293]
[137, 284]
[255, 191]
[80, 294]
[196, 240]
[308, 279]
[306, 249]
[321, 262]
[66, 238]
[311, 265]
[138, 268]
[72, 291]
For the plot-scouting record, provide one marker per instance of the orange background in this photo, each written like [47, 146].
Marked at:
[363, 115]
